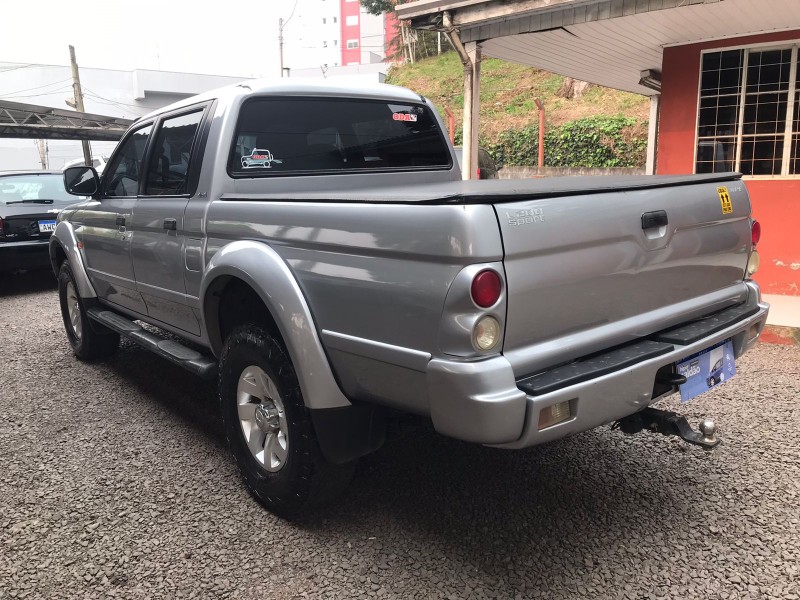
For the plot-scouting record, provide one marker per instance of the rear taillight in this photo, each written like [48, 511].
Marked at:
[486, 288]
[754, 261]
[755, 232]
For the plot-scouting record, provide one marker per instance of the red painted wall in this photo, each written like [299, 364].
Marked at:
[776, 201]
[350, 32]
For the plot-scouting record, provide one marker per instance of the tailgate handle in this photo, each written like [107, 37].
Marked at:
[657, 218]
[120, 220]
[170, 224]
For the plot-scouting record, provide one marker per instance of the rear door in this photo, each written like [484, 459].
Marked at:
[104, 223]
[158, 242]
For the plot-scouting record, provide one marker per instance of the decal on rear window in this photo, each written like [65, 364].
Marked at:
[259, 158]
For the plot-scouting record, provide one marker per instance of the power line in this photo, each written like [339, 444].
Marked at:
[15, 68]
[291, 15]
[30, 89]
[97, 96]
[53, 93]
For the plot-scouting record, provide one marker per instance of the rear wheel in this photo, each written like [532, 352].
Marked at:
[89, 341]
[269, 428]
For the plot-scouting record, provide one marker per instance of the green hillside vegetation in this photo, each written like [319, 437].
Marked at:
[602, 128]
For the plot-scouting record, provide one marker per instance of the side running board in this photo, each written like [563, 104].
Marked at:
[191, 360]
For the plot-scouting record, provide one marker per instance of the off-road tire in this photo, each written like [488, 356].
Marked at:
[306, 480]
[94, 340]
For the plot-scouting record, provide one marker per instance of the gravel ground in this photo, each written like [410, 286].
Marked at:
[115, 481]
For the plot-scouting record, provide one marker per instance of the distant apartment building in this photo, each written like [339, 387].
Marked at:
[336, 33]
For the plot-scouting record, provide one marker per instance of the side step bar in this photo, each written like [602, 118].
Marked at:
[176, 353]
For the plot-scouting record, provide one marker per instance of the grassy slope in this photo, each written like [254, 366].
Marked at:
[507, 94]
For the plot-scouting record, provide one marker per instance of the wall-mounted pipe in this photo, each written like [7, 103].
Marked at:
[455, 39]
[451, 124]
[540, 106]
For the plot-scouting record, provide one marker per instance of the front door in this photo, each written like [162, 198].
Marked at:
[103, 224]
[157, 248]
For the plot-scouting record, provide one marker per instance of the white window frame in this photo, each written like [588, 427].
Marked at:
[353, 44]
[794, 46]
[351, 21]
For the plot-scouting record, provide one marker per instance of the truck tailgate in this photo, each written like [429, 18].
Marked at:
[588, 271]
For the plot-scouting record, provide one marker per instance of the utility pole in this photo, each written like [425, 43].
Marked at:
[41, 146]
[280, 41]
[78, 93]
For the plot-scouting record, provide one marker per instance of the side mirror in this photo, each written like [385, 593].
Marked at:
[81, 181]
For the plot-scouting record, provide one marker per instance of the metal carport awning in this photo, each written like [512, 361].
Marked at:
[18, 120]
[606, 42]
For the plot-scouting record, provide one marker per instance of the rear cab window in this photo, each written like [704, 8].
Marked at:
[279, 136]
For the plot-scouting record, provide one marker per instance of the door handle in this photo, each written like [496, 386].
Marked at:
[170, 224]
[120, 220]
[657, 218]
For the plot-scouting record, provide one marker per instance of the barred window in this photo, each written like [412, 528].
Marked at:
[748, 115]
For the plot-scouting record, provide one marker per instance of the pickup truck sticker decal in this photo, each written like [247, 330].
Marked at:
[259, 158]
[725, 200]
[404, 117]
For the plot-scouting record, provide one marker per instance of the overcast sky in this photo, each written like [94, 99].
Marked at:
[220, 38]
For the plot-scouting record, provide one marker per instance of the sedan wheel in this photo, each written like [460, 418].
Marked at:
[74, 310]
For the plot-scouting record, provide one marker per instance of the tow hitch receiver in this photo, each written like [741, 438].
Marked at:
[669, 423]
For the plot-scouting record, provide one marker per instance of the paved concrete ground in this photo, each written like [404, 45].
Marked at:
[115, 481]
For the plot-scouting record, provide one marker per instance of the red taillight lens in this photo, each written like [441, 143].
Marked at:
[755, 230]
[486, 288]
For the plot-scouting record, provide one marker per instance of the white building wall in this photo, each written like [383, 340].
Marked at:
[312, 37]
[310, 43]
[372, 38]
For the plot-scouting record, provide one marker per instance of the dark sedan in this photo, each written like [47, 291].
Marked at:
[29, 204]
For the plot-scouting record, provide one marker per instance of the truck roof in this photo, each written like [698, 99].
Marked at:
[344, 88]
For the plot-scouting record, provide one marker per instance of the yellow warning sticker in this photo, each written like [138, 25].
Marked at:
[725, 200]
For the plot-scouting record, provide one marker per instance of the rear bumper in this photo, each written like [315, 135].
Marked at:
[482, 402]
[24, 255]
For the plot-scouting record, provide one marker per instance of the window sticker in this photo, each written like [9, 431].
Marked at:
[725, 200]
[404, 117]
[259, 158]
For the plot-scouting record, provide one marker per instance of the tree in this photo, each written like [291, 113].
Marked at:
[378, 7]
[572, 88]
[409, 44]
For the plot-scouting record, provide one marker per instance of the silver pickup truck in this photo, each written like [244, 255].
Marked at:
[356, 277]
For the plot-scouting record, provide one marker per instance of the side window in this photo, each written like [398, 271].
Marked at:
[123, 173]
[172, 153]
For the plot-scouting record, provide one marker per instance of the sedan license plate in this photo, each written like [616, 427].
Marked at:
[47, 226]
[706, 370]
